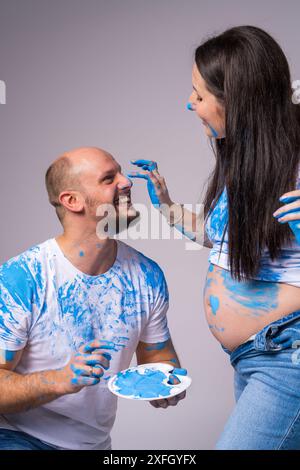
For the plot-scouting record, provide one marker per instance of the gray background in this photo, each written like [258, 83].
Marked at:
[117, 74]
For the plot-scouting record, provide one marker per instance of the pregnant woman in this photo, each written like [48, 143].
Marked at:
[243, 95]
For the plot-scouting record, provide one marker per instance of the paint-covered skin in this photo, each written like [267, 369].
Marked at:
[290, 211]
[147, 165]
[236, 310]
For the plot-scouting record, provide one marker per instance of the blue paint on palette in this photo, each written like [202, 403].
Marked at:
[142, 385]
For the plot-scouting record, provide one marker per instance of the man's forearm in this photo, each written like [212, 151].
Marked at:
[22, 392]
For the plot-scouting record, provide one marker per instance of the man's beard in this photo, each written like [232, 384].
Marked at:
[112, 219]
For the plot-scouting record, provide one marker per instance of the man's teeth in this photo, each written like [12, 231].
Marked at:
[122, 200]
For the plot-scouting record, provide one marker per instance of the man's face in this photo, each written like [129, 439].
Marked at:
[104, 184]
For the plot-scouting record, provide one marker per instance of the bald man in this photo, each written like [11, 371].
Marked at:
[73, 311]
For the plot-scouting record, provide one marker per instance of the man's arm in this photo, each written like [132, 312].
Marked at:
[20, 393]
[160, 352]
[157, 352]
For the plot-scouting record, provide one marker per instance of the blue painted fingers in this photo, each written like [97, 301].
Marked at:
[290, 213]
[89, 363]
[153, 185]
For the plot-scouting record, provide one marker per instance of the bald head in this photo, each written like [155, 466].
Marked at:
[66, 172]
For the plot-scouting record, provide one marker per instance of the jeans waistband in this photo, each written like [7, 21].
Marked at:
[263, 339]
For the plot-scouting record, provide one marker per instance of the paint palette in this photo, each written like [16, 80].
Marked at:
[147, 382]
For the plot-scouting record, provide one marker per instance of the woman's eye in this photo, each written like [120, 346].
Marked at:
[199, 98]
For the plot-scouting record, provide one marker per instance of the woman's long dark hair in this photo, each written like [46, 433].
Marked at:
[258, 159]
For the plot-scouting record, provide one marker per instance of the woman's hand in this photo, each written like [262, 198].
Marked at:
[156, 184]
[290, 212]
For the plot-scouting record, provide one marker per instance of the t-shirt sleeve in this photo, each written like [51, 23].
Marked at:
[156, 329]
[15, 307]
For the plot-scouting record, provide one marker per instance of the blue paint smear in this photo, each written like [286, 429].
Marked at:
[211, 268]
[214, 303]
[252, 294]
[147, 385]
[156, 346]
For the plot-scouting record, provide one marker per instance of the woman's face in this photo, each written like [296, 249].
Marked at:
[207, 107]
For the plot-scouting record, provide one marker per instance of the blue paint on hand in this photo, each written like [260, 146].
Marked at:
[179, 371]
[150, 187]
[295, 227]
[173, 380]
[288, 199]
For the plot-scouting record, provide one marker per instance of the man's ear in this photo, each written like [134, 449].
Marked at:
[72, 201]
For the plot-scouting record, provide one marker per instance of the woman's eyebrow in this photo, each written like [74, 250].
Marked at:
[196, 90]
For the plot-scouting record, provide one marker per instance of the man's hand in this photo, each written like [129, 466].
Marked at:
[171, 401]
[85, 367]
[162, 352]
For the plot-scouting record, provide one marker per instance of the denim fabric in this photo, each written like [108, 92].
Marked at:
[267, 390]
[17, 440]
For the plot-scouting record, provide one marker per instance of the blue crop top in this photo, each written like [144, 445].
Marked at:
[285, 268]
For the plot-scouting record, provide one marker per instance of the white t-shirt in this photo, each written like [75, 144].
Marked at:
[49, 309]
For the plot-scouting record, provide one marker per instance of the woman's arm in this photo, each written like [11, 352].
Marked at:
[189, 223]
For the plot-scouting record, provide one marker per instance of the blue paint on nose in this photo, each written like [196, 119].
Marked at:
[189, 106]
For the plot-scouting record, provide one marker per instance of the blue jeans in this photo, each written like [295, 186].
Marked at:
[267, 390]
[17, 440]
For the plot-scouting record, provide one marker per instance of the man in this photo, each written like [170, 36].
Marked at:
[73, 310]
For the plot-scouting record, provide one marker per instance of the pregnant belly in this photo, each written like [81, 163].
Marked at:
[236, 310]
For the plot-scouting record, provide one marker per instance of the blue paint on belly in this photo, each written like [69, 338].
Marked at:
[214, 303]
[146, 385]
[259, 296]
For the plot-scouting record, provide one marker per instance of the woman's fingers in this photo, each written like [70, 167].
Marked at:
[290, 210]
[147, 176]
[290, 196]
[145, 164]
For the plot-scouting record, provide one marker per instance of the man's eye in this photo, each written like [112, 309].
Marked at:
[108, 180]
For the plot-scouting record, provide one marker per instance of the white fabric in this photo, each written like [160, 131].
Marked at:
[49, 309]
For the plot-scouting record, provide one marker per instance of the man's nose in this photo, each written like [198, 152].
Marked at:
[124, 183]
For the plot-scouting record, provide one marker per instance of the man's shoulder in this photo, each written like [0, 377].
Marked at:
[25, 267]
[143, 262]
